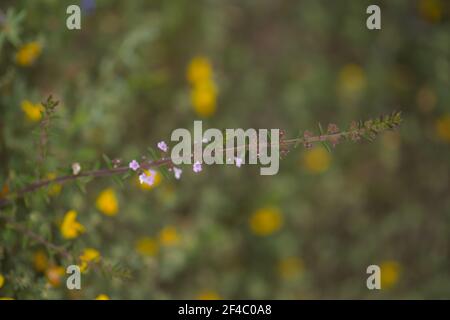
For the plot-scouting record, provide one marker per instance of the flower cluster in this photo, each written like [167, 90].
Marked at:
[203, 87]
[150, 178]
[147, 177]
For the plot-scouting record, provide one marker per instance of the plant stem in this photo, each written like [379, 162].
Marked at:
[30, 234]
[367, 129]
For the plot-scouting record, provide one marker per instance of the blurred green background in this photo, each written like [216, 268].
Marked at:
[139, 69]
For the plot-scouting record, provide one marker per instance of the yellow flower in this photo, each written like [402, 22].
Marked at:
[146, 246]
[443, 127]
[316, 160]
[156, 182]
[204, 91]
[70, 228]
[89, 255]
[389, 274]
[54, 274]
[107, 202]
[33, 112]
[199, 70]
[290, 267]
[55, 188]
[208, 295]
[2, 280]
[203, 98]
[102, 297]
[168, 236]
[4, 191]
[431, 10]
[28, 53]
[40, 261]
[351, 81]
[266, 221]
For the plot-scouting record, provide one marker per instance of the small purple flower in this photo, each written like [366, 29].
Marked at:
[197, 167]
[238, 162]
[134, 165]
[177, 172]
[163, 146]
[148, 179]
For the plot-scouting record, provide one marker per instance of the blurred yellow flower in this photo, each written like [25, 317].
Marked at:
[169, 236]
[107, 202]
[208, 295]
[70, 228]
[199, 70]
[54, 274]
[2, 280]
[147, 246]
[443, 127]
[88, 255]
[203, 98]
[40, 261]
[431, 10]
[266, 221]
[290, 267]
[351, 80]
[390, 271]
[55, 188]
[6, 298]
[28, 53]
[102, 297]
[156, 182]
[4, 191]
[33, 112]
[203, 88]
[316, 160]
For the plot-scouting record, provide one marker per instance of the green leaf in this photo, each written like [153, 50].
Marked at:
[366, 136]
[107, 161]
[81, 185]
[153, 154]
[299, 137]
[326, 146]
[118, 181]
[165, 172]
[126, 175]
[96, 165]
[320, 128]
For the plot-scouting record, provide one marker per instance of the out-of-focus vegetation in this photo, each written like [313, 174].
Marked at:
[139, 69]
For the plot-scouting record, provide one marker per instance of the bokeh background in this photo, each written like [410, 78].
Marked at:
[139, 69]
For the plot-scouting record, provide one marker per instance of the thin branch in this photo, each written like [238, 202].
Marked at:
[97, 265]
[32, 235]
[368, 130]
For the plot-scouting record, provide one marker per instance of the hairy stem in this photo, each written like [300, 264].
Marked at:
[368, 129]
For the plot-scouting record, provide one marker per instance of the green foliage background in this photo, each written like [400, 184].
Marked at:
[121, 82]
